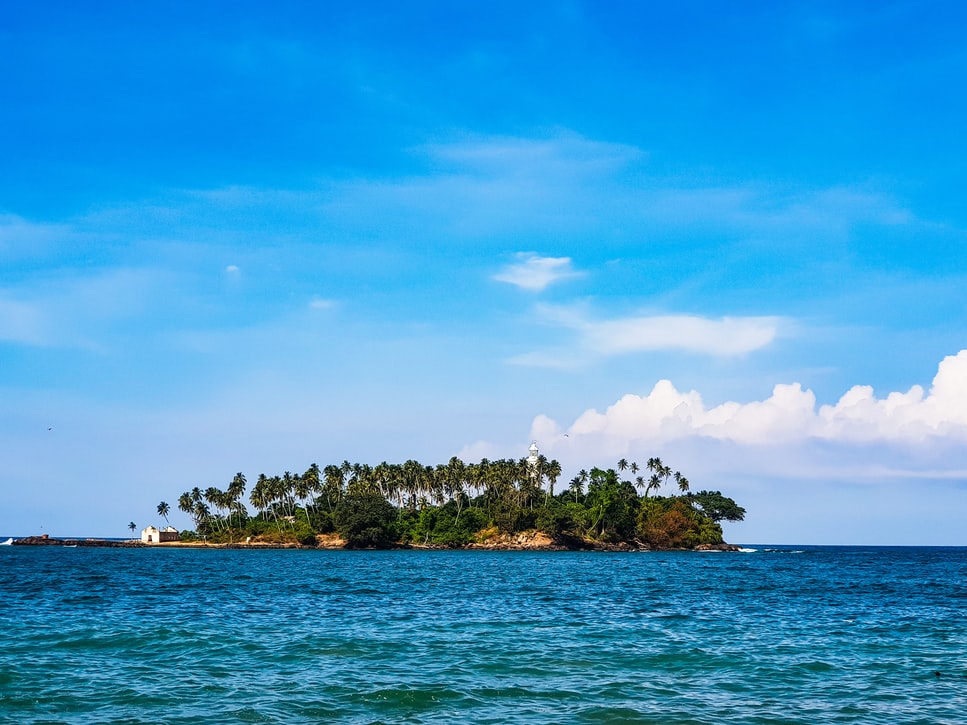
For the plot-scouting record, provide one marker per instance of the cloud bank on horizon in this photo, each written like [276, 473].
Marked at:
[790, 414]
[315, 233]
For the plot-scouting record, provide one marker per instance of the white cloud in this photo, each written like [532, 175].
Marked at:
[318, 303]
[594, 338]
[725, 336]
[888, 469]
[789, 415]
[535, 273]
[232, 269]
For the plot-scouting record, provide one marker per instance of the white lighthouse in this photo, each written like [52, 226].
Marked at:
[533, 455]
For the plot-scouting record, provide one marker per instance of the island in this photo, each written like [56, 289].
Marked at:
[500, 504]
[505, 504]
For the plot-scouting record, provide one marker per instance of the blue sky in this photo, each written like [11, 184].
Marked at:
[249, 237]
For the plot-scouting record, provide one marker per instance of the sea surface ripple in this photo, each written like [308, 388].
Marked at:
[775, 635]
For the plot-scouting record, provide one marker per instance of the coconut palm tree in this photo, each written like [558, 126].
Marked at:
[575, 488]
[659, 470]
[259, 497]
[681, 481]
[234, 494]
[202, 515]
[640, 483]
[213, 497]
[133, 526]
[553, 471]
[332, 488]
[186, 503]
[163, 510]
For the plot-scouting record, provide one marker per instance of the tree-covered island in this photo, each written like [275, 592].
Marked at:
[490, 504]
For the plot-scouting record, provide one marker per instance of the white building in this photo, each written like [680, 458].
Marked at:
[152, 535]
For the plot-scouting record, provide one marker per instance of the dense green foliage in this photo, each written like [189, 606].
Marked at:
[366, 519]
[717, 507]
[456, 504]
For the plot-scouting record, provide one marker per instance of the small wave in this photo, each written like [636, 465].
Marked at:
[8, 542]
[747, 550]
[783, 551]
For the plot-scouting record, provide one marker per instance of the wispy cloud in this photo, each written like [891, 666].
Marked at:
[79, 311]
[491, 188]
[597, 338]
[320, 303]
[565, 154]
[23, 323]
[724, 336]
[535, 273]
[21, 238]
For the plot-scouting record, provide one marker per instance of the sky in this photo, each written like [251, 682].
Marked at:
[246, 237]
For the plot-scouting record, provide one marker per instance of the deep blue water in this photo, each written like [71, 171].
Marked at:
[780, 635]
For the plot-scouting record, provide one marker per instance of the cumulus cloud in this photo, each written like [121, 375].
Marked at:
[788, 415]
[535, 273]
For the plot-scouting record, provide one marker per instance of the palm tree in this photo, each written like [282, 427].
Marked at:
[186, 504]
[234, 494]
[659, 471]
[640, 483]
[133, 526]
[575, 488]
[214, 497]
[553, 471]
[665, 472]
[163, 510]
[202, 515]
[623, 464]
[332, 487]
[259, 497]
[681, 481]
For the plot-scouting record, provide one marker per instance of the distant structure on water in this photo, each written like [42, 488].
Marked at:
[153, 535]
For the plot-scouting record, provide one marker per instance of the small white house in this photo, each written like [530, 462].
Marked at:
[152, 535]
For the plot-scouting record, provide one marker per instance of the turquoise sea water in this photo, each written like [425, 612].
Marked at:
[778, 635]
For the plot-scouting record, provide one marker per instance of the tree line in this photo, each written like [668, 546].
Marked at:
[456, 503]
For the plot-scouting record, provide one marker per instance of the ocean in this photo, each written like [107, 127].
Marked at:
[771, 635]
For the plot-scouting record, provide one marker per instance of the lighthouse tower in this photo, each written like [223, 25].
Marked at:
[533, 455]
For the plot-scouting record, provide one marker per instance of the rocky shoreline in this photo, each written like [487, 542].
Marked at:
[527, 541]
[103, 543]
